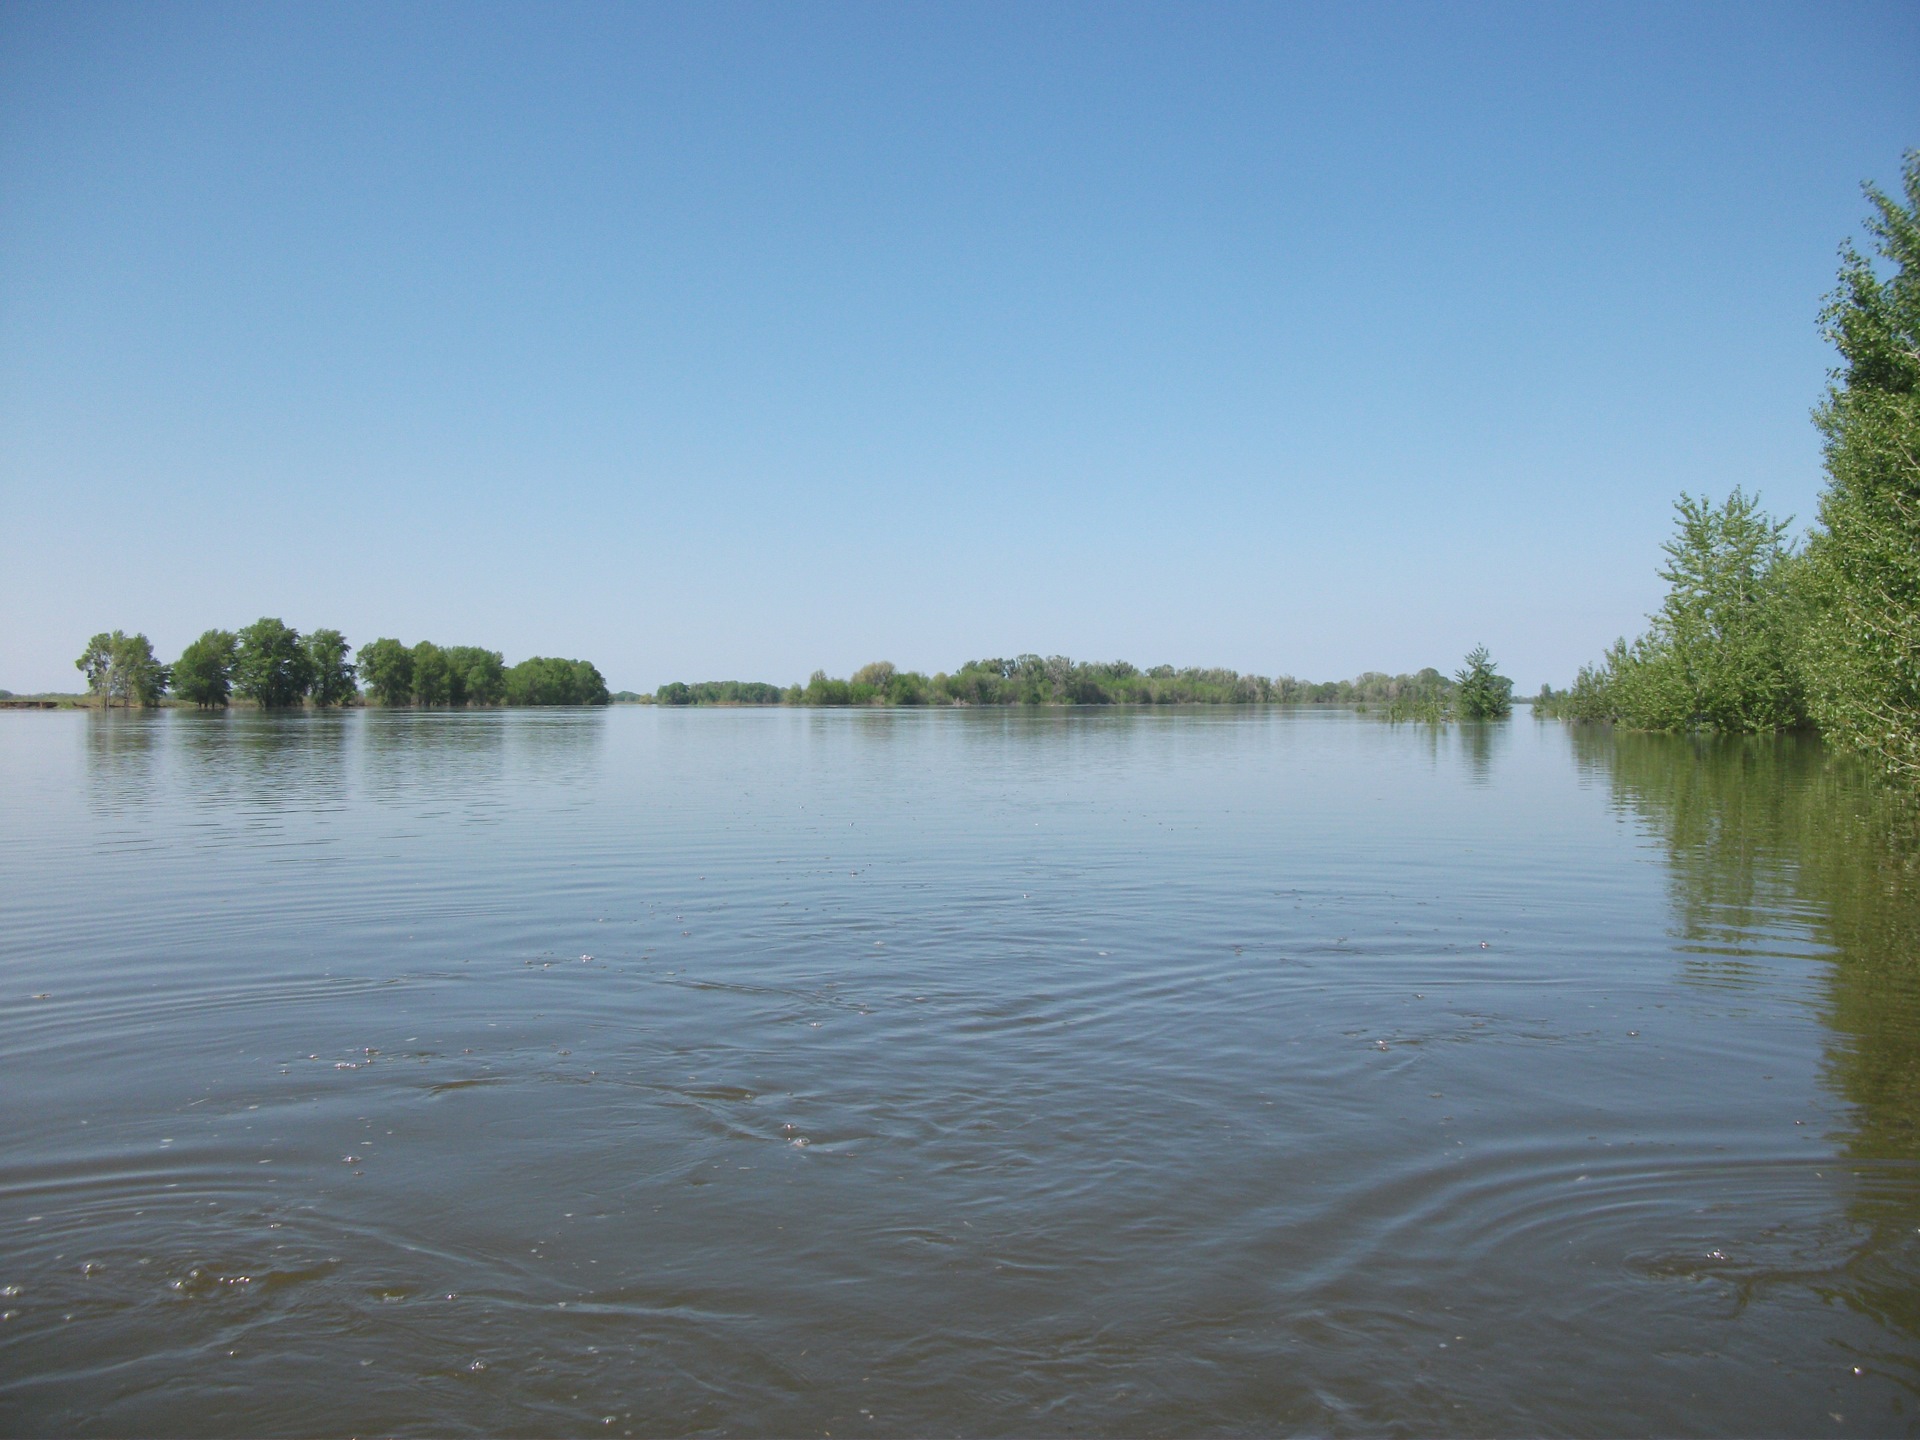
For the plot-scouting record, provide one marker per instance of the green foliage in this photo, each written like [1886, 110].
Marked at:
[272, 667]
[1724, 640]
[824, 691]
[1591, 697]
[432, 675]
[906, 687]
[330, 674]
[96, 663]
[387, 667]
[428, 674]
[1754, 637]
[1481, 692]
[547, 681]
[204, 672]
[1722, 653]
[1419, 708]
[1862, 580]
[1750, 822]
[1057, 680]
[719, 692]
[121, 669]
[145, 678]
[474, 676]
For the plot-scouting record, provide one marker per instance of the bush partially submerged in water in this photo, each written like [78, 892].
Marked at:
[1757, 636]
[1481, 692]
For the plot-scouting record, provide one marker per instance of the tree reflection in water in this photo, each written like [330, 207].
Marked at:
[1757, 828]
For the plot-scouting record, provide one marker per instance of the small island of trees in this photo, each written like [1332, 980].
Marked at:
[275, 667]
[1477, 692]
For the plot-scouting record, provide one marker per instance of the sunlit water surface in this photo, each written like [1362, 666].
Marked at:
[781, 1073]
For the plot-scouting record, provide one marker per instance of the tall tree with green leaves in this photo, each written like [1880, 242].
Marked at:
[1723, 651]
[96, 663]
[1481, 692]
[272, 668]
[1727, 631]
[1861, 659]
[547, 680]
[330, 675]
[204, 672]
[387, 667]
[432, 675]
[143, 679]
[475, 676]
[122, 669]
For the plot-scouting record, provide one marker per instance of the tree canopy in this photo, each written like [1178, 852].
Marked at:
[204, 672]
[272, 668]
[1862, 582]
[121, 670]
[1059, 680]
[1755, 635]
[387, 667]
[1481, 692]
[330, 676]
[544, 680]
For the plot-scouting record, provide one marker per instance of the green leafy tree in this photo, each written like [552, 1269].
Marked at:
[432, 675]
[824, 690]
[1861, 659]
[1723, 651]
[122, 669]
[96, 663]
[907, 687]
[204, 672]
[544, 680]
[272, 667]
[331, 675]
[387, 668]
[589, 685]
[474, 676]
[718, 692]
[1481, 692]
[143, 679]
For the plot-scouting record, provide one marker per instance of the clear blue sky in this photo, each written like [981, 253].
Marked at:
[717, 341]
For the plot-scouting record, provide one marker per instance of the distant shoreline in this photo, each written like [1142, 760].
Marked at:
[87, 702]
[424, 677]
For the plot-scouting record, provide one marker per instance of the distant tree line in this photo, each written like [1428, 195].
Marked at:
[276, 667]
[1477, 692]
[1759, 634]
[718, 692]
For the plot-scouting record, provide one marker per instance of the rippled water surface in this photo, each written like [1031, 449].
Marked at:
[784, 1072]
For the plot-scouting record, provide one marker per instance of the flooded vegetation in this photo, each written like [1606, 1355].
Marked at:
[776, 1071]
[1062, 680]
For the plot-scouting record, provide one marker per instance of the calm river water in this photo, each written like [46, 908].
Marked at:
[775, 1072]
